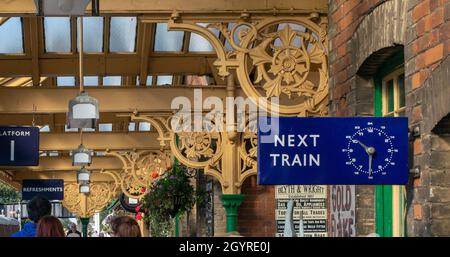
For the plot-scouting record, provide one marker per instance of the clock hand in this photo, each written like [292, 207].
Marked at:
[370, 166]
[364, 146]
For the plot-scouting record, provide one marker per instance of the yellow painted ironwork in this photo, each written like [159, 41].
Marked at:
[85, 205]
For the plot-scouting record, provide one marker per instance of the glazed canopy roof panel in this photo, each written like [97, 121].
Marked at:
[11, 41]
[123, 34]
[57, 34]
[49, 47]
[92, 34]
[198, 43]
[168, 41]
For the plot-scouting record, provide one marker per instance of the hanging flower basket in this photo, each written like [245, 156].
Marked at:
[170, 194]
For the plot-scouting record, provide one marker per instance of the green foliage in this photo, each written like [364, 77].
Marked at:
[8, 194]
[162, 228]
[169, 195]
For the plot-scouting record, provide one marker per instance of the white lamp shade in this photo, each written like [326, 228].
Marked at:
[84, 111]
[83, 177]
[81, 158]
[84, 188]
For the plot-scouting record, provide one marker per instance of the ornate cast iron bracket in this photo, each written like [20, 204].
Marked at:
[83, 205]
[229, 160]
[287, 61]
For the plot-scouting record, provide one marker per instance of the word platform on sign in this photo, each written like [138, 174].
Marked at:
[19, 146]
[333, 151]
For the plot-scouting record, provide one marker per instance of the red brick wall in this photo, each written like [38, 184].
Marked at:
[430, 39]
[427, 46]
[257, 212]
[344, 17]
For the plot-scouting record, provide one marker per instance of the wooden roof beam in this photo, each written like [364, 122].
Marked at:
[113, 64]
[67, 175]
[14, 7]
[112, 99]
[99, 141]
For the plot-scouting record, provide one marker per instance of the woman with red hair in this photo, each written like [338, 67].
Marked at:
[50, 226]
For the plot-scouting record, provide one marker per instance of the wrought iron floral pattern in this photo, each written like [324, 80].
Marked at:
[290, 64]
[83, 205]
[197, 144]
[139, 168]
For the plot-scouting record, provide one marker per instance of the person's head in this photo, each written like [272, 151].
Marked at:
[49, 226]
[38, 207]
[73, 227]
[125, 226]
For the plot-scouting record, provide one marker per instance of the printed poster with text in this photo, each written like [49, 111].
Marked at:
[342, 211]
[310, 200]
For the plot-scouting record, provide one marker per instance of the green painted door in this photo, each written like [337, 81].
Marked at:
[389, 100]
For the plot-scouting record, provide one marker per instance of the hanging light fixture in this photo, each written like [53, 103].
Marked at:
[85, 188]
[81, 156]
[61, 7]
[83, 176]
[84, 180]
[83, 112]
[83, 109]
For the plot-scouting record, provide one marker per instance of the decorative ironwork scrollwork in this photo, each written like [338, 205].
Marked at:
[85, 205]
[289, 63]
[140, 168]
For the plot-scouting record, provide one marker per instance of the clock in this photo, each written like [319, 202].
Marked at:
[370, 150]
[333, 151]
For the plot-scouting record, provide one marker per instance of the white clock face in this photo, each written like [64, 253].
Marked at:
[370, 150]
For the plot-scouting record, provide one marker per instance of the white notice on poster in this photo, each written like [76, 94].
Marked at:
[310, 200]
[342, 211]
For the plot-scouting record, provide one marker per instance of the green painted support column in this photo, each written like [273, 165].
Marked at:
[177, 225]
[84, 223]
[177, 217]
[231, 204]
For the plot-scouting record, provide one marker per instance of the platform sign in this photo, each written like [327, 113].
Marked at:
[52, 189]
[19, 146]
[333, 151]
[310, 200]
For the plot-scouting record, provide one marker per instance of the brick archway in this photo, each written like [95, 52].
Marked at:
[436, 97]
[375, 33]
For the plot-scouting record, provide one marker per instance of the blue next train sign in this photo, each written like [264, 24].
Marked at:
[332, 151]
[19, 146]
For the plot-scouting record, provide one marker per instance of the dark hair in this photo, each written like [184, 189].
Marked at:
[125, 226]
[38, 207]
[49, 226]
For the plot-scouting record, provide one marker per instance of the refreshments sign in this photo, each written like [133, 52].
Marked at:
[52, 189]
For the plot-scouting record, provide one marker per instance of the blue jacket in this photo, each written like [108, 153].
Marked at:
[28, 230]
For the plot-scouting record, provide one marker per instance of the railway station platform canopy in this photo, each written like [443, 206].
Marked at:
[139, 55]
